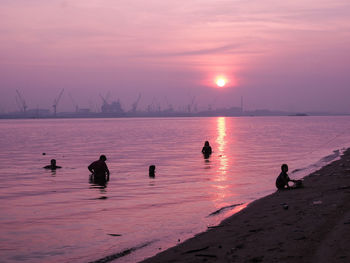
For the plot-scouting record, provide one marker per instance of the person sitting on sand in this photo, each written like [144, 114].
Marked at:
[206, 150]
[283, 179]
[52, 166]
[99, 168]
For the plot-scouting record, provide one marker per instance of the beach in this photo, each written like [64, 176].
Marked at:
[310, 224]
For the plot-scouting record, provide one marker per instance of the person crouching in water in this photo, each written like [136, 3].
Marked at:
[283, 179]
[206, 150]
[99, 169]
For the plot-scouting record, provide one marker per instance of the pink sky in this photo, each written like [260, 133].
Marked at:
[286, 55]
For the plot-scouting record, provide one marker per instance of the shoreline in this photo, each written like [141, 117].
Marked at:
[72, 115]
[315, 227]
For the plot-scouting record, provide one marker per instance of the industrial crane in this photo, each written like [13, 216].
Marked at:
[170, 106]
[56, 101]
[21, 102]
[134, 105]
[105, 98]
[190, 106]
[75, 105]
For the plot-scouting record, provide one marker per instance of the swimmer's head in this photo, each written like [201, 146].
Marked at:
[284, 167]
[103, 158]
[206, 143]
[53, 162]
[152, 168]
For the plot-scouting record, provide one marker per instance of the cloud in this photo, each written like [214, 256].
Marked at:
[198, 52]
[259, 42]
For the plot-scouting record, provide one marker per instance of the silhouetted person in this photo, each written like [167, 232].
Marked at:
[99, 169]
[52, 166]
[283, 179]
[97, 181]
[206, 150]
[152, 171]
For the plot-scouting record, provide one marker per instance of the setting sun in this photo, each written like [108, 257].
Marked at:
[221, 82]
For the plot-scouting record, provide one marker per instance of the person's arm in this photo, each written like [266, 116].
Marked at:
[107, 171]
[90, 167]
[286, 180]
[291, 180]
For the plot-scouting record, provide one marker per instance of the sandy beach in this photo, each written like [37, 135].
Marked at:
[311, 224]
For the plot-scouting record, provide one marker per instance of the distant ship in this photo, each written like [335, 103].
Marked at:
[299, 114]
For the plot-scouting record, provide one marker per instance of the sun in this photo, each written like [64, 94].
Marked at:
[221, 82]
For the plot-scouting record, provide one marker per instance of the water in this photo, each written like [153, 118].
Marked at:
[61, 217]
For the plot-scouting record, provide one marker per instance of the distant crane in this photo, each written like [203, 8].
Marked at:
[56, 101]
[134, 105]
[210, 106]
[21, 102]
[75, 105]
[152, 107]
[104, 99]
[190, 106]
[105, 105]
[170, 106]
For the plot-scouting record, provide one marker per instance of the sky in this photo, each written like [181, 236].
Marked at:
[290, 55]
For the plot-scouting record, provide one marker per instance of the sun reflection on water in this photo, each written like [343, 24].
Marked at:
[221, 140]
[221, 177]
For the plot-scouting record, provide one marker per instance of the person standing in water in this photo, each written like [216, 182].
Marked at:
[206, 150]
[99, 168]
[52, 166]
[152, 171]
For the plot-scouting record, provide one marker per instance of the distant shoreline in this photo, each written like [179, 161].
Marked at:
[313, 227]
[164, 115]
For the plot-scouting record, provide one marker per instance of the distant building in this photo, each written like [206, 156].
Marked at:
[38, 112]
[113, 107]
[233, 111]
[84, 110]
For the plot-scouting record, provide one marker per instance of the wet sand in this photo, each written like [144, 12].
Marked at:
[314, 226]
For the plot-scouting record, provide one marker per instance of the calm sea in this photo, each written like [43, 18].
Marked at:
[62, 217]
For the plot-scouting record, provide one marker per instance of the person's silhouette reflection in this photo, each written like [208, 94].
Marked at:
[206, 150]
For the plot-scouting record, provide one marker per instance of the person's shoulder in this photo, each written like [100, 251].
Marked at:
[284, 175]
